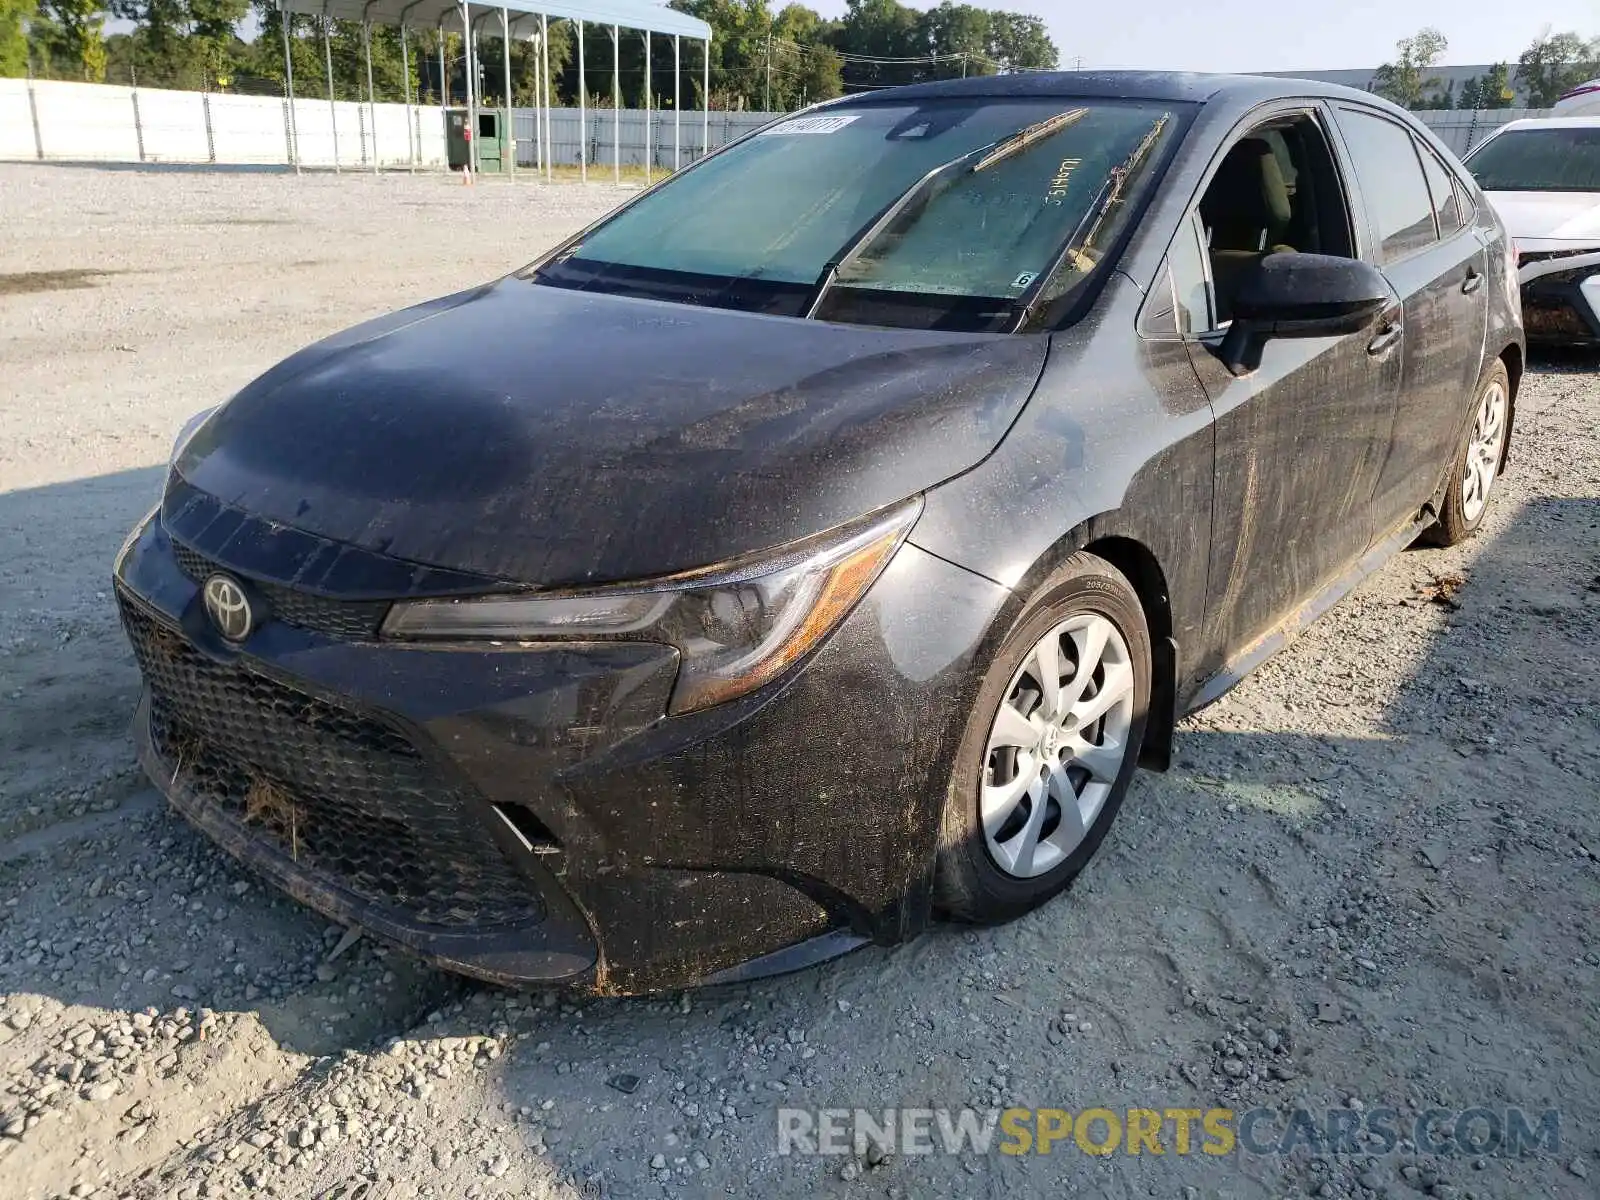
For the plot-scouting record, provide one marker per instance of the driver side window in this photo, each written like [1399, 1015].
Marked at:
[1277, 188]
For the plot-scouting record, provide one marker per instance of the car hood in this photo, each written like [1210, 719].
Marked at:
[1549, 216]
[555, 437]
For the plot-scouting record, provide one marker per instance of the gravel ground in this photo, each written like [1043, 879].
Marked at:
[1371, 878]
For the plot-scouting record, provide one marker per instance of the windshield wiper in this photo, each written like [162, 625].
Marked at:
[924, 189]
[1089, 227]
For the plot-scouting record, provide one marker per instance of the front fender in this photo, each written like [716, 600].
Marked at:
[1116, 442]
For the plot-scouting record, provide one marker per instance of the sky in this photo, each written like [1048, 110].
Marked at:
[1282, 35]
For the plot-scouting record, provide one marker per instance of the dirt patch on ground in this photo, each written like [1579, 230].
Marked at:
[21, 283]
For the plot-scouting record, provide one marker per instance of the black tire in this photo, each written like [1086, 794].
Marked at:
[968, 883]
[1454, 525]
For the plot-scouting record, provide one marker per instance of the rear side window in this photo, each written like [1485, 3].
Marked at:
[1392, 182]
[1443, 190]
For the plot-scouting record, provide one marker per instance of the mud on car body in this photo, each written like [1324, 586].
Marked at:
[742, 582]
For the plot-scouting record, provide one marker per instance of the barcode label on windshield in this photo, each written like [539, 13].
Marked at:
[810, 125]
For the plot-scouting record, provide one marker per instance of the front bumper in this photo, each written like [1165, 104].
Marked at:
[526, 813]
[1561, 296]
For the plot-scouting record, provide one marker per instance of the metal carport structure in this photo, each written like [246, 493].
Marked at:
[522, 20]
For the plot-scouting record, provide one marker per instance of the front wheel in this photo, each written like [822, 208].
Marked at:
[1477, 463]
[1050, 746]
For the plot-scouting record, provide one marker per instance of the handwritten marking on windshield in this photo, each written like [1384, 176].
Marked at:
[1063, 176]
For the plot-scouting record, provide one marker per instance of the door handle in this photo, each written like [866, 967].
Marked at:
[1385, 340]
[1472, 282]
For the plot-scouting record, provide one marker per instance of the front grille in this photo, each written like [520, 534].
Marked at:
[348, 798]
[352, 619]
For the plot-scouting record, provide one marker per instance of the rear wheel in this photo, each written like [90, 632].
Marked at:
[1050, 747]
[1477, 463]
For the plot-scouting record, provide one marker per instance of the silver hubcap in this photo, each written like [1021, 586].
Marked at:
[1057, 745]
[1483, 452]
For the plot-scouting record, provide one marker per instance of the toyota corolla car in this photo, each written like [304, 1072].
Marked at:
[815, 546]
[1543, 177]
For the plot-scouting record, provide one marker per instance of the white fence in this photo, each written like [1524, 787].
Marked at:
[609, 140]
[47, 119]
[1462, 129]
[86, 122]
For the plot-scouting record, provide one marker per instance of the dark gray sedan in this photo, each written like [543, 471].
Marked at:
[819, 543]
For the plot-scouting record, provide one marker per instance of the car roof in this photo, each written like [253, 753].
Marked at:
[1119, 85]
[1550, 123]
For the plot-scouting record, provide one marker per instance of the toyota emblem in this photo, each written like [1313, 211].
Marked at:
[228, 607]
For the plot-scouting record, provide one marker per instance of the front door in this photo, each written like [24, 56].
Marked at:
[1300, 441]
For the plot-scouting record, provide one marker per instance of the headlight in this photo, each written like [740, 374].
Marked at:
[736, 626]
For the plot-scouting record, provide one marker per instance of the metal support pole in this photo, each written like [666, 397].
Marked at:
[677, 100]
[333, 113]
[616, 103]
[538, 99]
[583, 113]
[211, 134]
[472, 107]
[541, 148]
[550, 95]
[549, 138]
[138, 125]
[511, 124]
[288, 75]
[475, 62]
[372, 101]
[705, 120]
[405, 72]
[649, 140]
[444, 97]
[33, 113]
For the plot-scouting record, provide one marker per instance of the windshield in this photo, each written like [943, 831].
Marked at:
[1539, 160]
[946, 214]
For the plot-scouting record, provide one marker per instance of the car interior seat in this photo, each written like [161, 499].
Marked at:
[1246, 212]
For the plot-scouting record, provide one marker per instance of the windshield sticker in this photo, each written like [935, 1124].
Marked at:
[811, 125]
[1023, 280]
[1063, 176]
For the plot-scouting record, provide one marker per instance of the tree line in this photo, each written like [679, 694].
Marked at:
[1552, 65]
[762, 58]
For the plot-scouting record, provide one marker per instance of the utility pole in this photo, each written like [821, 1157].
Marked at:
[767, 96]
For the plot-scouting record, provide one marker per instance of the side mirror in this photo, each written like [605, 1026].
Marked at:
[1293, 295]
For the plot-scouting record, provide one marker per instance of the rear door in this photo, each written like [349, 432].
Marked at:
[1426, 246]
